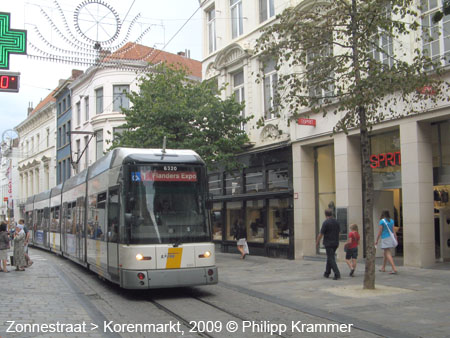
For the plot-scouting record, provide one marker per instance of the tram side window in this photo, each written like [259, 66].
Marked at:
[39, 219]
[46, 219]
[113, 216]
[54, 224]
[68, 218]
[73, 225]
[97, 216]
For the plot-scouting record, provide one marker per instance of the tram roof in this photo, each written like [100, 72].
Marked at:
[57, 190]
[119, 156]
[75, 180]
[130, 155]
[42, 196]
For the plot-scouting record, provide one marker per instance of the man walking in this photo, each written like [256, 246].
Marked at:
[330, 233]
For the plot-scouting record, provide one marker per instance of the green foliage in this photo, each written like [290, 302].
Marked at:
[189, 113]
[338, 60]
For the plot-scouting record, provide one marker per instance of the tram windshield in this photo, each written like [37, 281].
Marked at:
[166, 204]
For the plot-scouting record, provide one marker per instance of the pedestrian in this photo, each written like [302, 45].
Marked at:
[19, 248]
[240, 234]
[351, 253]
[330, 233]
[389, 240]
[4, 246]
[27, 241]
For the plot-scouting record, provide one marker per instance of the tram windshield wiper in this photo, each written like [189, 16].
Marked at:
[177, 243]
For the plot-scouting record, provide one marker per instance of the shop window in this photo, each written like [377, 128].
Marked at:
[233, 184]
[254, 215]
[253, 181]
[217, 221]
[234, 218]
[215, 185]
[385, 160]
[278, 221]
[278, 179]
[325, 184]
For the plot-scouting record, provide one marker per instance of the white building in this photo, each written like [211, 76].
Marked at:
[36, 157]
[9, 179]
[99, 94]
[411, 155]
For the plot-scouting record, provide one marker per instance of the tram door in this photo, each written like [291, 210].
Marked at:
[113, 233]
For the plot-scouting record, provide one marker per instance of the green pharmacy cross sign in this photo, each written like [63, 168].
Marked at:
[12, 41]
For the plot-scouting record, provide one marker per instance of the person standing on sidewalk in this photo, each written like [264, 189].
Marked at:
[4, 246]
[351, 253]
[19, 252]
[330, 233]
[27, 241]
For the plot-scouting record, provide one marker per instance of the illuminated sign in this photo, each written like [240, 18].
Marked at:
[9, 82]
[164, 176]
[306, 122]
[12, 41]
[385, 160]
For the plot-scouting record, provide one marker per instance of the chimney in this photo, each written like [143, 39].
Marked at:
[30, 108]
[76, 73]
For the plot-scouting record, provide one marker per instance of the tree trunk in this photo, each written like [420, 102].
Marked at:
[369, 275]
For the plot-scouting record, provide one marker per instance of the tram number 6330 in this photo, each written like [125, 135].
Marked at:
[170, 168]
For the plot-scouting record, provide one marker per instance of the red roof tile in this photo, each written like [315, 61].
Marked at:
[45, 101]
[134, 51]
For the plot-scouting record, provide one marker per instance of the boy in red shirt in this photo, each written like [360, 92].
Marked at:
[352, 248]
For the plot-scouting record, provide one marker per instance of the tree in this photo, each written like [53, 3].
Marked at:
[353, 58]
[189, 113]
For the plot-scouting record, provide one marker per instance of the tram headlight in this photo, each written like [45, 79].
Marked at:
[139, 257]
[206, 254]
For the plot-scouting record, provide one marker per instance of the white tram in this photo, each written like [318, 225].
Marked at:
[137, 217]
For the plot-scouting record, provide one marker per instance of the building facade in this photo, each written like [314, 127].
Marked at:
[261, 195]
[64, 127]
[99, 95]
[36, 160]
[409, 156]
[9, 179]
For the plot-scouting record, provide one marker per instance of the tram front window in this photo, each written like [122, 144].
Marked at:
[165, 204]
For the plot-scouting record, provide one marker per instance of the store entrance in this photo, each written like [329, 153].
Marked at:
[391, 200]
[442, 222]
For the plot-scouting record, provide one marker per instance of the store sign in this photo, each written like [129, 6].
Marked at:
[427, 90]
[12, 41]
[306, 122]
[164, 176]
[385, 160]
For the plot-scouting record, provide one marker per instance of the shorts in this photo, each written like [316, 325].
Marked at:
[351, 253]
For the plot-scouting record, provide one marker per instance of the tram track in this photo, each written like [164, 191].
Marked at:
[216, 315]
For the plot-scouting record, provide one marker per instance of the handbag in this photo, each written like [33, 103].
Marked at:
[394, 240]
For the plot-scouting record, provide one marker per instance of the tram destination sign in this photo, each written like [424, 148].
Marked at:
[164, 176]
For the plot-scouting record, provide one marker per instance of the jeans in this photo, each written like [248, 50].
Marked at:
[331, 261]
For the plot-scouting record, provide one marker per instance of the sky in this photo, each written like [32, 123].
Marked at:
[156, 24]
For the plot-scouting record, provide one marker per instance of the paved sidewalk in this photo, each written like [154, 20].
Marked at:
[414, 303]
[43, 294]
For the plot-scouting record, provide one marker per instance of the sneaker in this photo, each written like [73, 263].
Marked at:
[326, 275]
[352, 272]
[336, 277]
